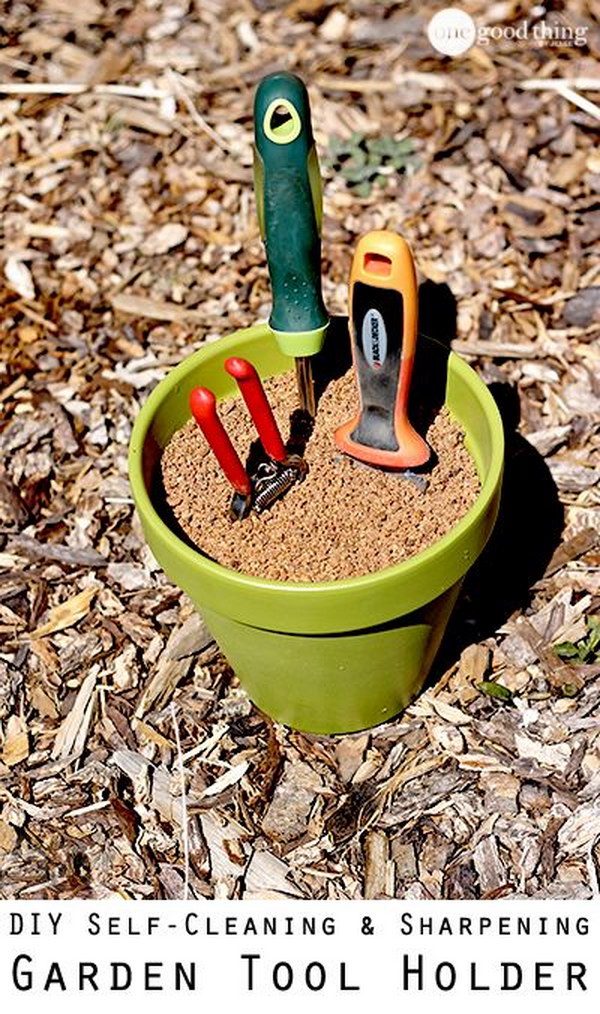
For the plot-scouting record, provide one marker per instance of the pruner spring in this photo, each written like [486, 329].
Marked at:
[274, 476]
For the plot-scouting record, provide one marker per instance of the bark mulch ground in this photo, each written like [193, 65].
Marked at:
[130, 238]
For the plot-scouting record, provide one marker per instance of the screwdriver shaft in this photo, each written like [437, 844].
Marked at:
[306, 387]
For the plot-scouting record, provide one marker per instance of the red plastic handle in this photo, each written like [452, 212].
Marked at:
[204, 410]
[253, 394]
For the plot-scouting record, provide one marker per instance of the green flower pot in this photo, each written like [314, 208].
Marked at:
[334, 656]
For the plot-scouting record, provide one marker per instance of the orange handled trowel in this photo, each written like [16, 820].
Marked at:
[383, 331]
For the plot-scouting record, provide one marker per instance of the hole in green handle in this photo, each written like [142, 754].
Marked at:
[282, 123]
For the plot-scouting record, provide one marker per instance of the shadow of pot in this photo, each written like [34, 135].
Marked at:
[335, 656]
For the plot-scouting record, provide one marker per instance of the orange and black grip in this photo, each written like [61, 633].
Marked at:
[383, 331]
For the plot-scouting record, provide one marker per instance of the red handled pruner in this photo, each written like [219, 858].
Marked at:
[277, 473]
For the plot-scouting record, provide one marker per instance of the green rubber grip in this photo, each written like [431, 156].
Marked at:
[289, 202]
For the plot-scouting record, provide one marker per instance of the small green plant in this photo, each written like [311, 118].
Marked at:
[569, 690]
[495, 690]
[365, 161]
[587, 649]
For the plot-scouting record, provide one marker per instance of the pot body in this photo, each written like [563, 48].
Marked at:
[327, 657]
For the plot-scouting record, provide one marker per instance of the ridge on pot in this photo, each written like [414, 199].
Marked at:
[333, 656]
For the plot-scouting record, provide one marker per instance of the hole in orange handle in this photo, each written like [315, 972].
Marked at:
[377, 264]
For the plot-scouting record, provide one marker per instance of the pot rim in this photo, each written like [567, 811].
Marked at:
[403, 570]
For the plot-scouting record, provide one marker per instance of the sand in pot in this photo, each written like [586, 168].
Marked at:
[344, 520]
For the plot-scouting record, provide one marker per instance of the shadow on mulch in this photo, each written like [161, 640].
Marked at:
[528, 530]
[530, 519]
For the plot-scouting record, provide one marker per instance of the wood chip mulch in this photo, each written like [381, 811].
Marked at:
[130, 237]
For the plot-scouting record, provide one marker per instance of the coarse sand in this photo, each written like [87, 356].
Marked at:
[345, 519]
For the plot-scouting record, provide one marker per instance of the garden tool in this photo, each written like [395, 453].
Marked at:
[273, 476]
[383, 332]
[289, 204]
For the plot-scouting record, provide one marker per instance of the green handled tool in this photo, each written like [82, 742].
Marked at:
[289, 202]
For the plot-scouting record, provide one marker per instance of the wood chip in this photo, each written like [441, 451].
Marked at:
[286, 818]
[141, 306]
[572, 478]
[223, 838]
[19, 276]
[572, 549]
[267, 876]
[164, 239]
[583, 309]
[8, 837]
[376, 851]
[158, 692]
[547, 440]
[489, 866]
[226, 780]
[16, 741]
[349, 754]
[72, 734]
[66, 614]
